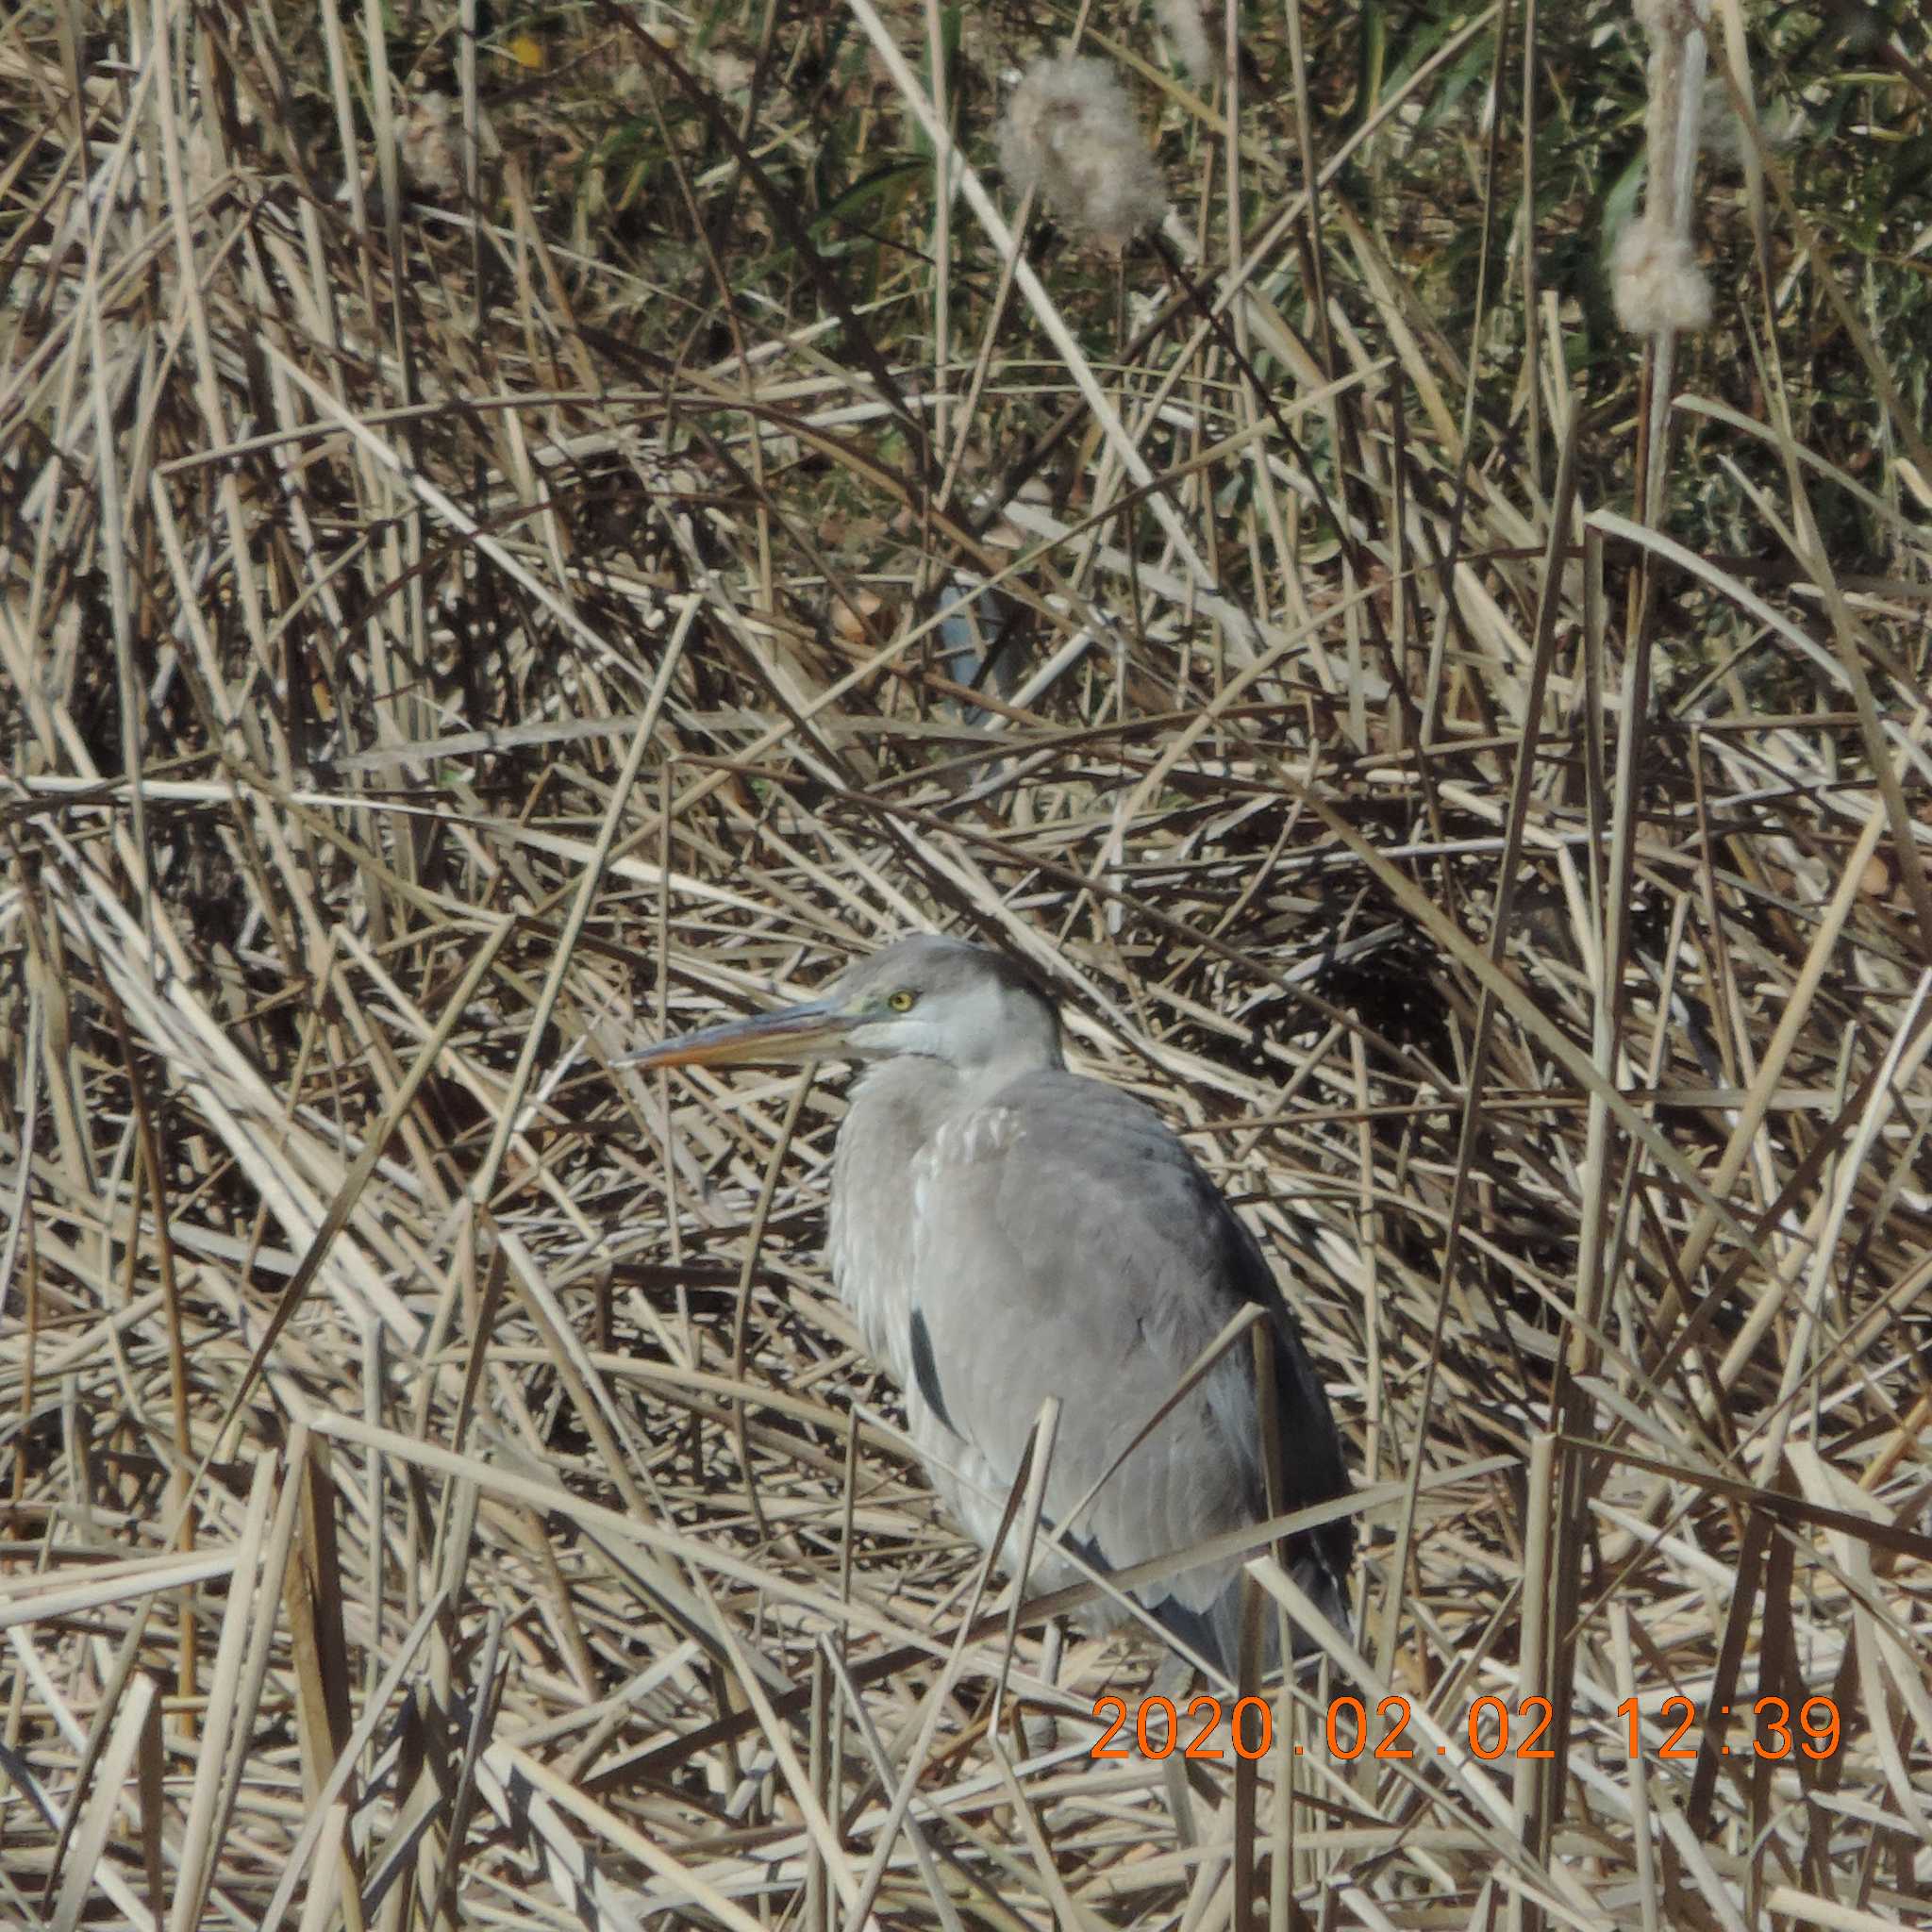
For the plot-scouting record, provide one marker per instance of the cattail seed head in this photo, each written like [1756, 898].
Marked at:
[1194, 29]
[426, 137]
[1657, 282]
[1070, 132]
[1670, 18]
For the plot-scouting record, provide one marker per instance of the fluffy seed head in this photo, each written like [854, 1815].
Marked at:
[1657, 282]
[1671, 19]
[1070, 131]
[1194, 28]
[426, 137]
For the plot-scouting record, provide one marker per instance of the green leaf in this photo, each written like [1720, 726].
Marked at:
[878, 186]
[1620, 204]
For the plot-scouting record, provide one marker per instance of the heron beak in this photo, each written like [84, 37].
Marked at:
[816, 1030]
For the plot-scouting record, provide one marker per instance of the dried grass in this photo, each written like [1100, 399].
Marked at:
[436, 1485]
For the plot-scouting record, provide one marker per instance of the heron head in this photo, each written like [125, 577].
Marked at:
[939, 998]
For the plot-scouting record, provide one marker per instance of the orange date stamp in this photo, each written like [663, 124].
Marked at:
[1159, 1729]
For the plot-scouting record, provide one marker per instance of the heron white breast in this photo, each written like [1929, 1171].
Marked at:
[984, 1134]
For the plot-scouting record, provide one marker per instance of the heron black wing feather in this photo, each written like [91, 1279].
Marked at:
[1312, 1469]
[926, 1370]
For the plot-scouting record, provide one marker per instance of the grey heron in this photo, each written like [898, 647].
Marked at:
[1004, 1230]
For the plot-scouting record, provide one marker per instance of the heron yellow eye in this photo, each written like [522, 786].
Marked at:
[903, 1001]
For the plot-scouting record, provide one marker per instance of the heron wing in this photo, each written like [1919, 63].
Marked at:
[1066, 1244]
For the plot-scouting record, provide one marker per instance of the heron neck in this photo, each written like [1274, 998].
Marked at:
[917, 1094]
[900, 1108]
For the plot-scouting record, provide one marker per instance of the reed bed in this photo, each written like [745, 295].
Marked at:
[523, 535]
